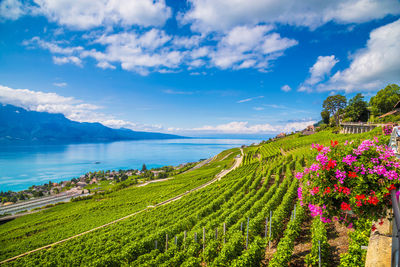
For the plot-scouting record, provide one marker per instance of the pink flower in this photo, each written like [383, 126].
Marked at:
[349, 159]
[340, 175]
[299, 175]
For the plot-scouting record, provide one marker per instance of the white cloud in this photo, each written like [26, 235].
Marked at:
[286, 88]
[105, 65]
[373, 66]
[70, 107]
[222, 15]
[65, 60]
[11, 9]
[86, 14]
[173, 92]
[52, 46]
[243, 127]
[258, 108]
[249, 47]
[62, 84]
[250, 99]
[318, 72]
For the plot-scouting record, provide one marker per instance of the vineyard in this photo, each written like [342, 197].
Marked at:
[250, 217]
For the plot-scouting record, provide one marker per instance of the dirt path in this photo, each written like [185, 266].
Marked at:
[154, 181]
[217, 178]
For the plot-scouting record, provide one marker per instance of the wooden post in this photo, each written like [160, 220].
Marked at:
[224, 233]
[195, 237]
[247, 235]
[166, 242]
[176, 241]
[204, 238]
[216, 233]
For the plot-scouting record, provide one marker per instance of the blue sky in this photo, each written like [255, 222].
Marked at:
[197, 67]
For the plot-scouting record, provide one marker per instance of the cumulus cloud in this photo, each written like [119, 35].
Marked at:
[11, 9]
[70, 107]
[205, 15]
[249, 47]
[86, 14]
[286, 88]
[318, 72]
[65, 60]
[373, 66]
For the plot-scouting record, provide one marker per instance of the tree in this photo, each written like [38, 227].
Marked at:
[334, 105]
[325, 116]
[357, 110]
[144, 168]
[385, 100]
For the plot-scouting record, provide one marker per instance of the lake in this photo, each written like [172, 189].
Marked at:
[22, 166]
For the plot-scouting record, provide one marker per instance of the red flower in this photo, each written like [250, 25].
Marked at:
[391, 187]
[320, 147]
[344, 206]
[359, 197]
[373, 227]
[373, 200]
[334, 143]
[358, 203]
[327, 190]
[331, 164]
[352, 174]
[381, 222]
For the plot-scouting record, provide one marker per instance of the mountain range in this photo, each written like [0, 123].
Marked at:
[20, 125]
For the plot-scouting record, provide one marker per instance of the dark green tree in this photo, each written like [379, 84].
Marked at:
[385, 100]
[334, 105]
[325, 116]
[357, 110]
[144, 168]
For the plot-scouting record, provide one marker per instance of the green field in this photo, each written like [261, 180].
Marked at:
[240, 203]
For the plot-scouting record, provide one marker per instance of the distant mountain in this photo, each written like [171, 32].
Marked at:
[20, 125]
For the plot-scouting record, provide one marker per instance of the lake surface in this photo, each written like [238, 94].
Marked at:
[25, 165]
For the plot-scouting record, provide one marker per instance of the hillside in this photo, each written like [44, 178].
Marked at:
[20, 125]
[222, 224]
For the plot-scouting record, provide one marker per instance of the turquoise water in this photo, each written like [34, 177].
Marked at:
[23, 166]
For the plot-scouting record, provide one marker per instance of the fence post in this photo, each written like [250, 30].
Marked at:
[176, 241]
[216, 233]
[204, 238]
[247, 235]
[319, 253]
[166, 242]
[224, 232]
[195, 237]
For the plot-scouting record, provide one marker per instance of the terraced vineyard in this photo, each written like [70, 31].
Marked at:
[250, 217]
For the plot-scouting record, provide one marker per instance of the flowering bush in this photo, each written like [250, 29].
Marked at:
[387, 129]
[349, 181]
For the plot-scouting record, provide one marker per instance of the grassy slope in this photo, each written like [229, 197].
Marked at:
[62, 221]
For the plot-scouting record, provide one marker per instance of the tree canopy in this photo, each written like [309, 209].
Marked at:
[334, 105]
[385, 100]
[356, 109]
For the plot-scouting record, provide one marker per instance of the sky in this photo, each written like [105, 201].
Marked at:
[195, 67]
